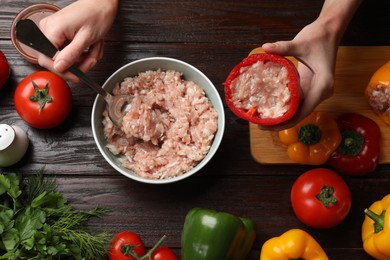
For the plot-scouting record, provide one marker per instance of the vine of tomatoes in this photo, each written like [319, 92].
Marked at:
[129, 246]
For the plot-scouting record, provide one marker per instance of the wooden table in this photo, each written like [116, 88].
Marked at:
[212, 35]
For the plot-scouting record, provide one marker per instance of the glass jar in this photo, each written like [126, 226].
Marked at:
[35, 13]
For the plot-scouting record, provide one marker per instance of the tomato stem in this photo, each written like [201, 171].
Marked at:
[41, 95]
[326, 196]
[129, 250]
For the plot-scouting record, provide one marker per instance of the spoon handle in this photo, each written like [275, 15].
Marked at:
[29, 33]
[92, 84]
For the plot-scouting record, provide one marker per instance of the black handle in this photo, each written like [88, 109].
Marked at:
[28, 33]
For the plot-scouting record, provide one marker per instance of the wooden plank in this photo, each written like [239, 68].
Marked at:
[354, 68]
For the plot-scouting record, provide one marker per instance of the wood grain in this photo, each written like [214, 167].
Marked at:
[212, 35]
[354, 68]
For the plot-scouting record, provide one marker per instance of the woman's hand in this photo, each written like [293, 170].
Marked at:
[315, 47]
[78, 31]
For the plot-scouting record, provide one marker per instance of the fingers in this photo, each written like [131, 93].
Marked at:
[48, 64]
[70, 54]
[321, 90]
[283, 48]
[94, 54]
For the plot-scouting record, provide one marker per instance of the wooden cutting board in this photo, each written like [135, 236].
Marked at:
[354, 68]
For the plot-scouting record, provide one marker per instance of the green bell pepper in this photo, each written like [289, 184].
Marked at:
[211, 235]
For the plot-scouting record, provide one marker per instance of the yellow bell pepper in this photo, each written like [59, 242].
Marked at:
[377, 92]
[293, 244]
[376, 229]
[312, 140]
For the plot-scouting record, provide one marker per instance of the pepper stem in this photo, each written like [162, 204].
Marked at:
[309, 134]
[326, 196]
[352, 143]
[378, 219]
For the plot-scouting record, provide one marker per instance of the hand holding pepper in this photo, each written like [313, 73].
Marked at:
[263, 89]
[315, 46]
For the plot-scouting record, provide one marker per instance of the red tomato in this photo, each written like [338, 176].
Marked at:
[4, 69]
[52, 91]
[125, 238]
[164, 253]
[320, 198]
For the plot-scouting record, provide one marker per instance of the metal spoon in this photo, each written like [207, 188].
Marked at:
[29, 33]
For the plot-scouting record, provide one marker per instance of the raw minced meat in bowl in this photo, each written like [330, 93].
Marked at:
[172, 127]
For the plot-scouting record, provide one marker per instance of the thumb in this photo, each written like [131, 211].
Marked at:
[283, 48]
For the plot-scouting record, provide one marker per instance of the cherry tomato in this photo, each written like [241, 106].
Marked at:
[320, 198]
[4, 69]
[164, 253]
[125, 238]
[43, 99]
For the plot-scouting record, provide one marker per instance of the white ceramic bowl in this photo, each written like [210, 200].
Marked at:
[190, 73]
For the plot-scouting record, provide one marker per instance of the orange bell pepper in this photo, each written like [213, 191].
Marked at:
[312, 140]
[378, 92]
[293, 244]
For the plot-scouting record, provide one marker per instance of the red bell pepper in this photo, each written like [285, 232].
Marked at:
[4, 69]
[252, 111]
[359, 151]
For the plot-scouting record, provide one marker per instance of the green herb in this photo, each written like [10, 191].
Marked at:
[37, 222]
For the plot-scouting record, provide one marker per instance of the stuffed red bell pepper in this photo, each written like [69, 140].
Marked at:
[263, 89]
[359, 151]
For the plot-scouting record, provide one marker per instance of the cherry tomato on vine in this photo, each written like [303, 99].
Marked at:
[43, 99]
[320, 198]
[126, 238]
[164, 253]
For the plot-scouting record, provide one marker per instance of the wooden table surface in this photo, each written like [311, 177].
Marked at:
[212, 35]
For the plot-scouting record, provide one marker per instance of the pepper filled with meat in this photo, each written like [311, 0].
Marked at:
[211, 235]
[378, 92]
[263, 89]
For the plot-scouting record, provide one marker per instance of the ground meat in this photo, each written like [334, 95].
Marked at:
[167, 129]
[379, 99]
[262, 86]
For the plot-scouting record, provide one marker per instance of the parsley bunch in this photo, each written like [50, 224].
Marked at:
[37, 222]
